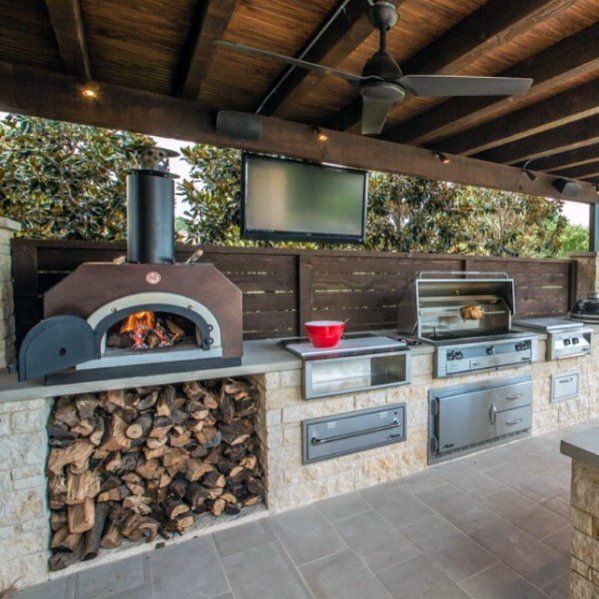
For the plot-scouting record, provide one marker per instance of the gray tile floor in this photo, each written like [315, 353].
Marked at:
[490, 526]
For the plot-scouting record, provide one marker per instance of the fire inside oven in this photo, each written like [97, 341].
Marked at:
[148, 330]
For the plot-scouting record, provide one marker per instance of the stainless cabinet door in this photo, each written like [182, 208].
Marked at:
[464, 420]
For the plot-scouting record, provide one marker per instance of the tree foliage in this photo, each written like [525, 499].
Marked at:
[66, 181]
[406, 214]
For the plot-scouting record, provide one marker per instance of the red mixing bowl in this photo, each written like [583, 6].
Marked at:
[325, 333]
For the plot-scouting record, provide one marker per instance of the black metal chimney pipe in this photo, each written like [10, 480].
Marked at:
[151, 211]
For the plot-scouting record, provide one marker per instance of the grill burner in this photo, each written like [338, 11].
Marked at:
[144, 316]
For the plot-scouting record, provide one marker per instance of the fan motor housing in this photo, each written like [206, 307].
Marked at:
[383, 14]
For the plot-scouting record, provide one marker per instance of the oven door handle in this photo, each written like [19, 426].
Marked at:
[386, 427]
[493, 413]
[515, 397]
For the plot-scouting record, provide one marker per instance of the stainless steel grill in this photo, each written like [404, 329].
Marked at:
[468, 317]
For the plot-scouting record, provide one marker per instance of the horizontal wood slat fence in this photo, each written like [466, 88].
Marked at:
[284, 288]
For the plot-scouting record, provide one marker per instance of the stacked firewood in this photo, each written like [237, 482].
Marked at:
[141, 462]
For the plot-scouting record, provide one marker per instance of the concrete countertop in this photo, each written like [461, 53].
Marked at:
[583, 447]
[260, 356]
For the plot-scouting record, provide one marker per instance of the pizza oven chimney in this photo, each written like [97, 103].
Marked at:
[151, 209]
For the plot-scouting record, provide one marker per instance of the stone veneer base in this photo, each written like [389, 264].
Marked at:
[24, 527]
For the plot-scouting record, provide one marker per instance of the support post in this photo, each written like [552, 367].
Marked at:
[8, 228]
[593, 228]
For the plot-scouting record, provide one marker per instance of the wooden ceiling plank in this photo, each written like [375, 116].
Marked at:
[569, 106]
[571, 158]
[561, 139]
[493, 25]
[67, 22]
[586, 171]
[343, 35]
[572, 57]
[47, 94]
[209, 25]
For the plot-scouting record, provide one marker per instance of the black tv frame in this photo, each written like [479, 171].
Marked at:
[268, 235]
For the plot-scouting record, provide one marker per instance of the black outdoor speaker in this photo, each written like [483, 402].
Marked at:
[569, 189]
[239, 125]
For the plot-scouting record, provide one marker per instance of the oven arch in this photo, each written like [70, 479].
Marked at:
[157, 301]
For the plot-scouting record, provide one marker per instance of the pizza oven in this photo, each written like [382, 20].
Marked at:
[144, 314]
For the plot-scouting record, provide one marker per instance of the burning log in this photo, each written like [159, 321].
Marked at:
[136, 463]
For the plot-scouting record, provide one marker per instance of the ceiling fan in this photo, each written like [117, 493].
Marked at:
[382, 83]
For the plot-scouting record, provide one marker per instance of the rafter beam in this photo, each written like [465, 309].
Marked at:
[585, 171]
[574, 104]
[344, 33]
[493, 25]
[67, 22]
[569, 59]
[209, 25]
[561, 139]
[46, 94]
[566, 159]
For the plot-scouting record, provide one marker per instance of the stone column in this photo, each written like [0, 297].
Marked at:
[587, 273]
[7, 321]
[584, 576]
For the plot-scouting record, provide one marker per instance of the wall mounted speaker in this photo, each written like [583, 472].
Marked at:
[239, 125]
[569, 189]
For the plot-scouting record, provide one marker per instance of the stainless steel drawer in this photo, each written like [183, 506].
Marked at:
[512, 421]
[564, 386]
[331, 436]
[513, 396]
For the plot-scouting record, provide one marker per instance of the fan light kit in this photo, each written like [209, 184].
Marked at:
[442, 157]
[320, 134]
[382, 83]
[90, 91]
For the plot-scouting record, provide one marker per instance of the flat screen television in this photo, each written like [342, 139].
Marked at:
[286, 199]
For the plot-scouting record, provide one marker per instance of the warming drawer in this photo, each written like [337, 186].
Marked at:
[512, 421]
[332, 436]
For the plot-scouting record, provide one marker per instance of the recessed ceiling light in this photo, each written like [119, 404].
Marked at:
[320, 134]
[90, 91]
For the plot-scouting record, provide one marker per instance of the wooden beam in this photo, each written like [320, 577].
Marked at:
[573, 135]
[344, 34]
[585, 171]
[493, 25]
[209, 25]
[47, 94]
[566, 159]
[67, 23]
[574, 104]
[567, 60]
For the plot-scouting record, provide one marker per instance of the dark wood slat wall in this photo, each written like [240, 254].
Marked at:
[284, 288]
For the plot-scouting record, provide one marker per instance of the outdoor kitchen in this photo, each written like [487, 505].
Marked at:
[352, 352]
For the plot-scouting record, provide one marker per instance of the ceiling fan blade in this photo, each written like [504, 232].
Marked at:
[450, 85]
[295, 62]
[374, 114]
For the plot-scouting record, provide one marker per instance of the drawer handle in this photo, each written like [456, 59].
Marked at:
[387, 427]
[514, 397]
[493, 414]
[568, 380]
[514, 422]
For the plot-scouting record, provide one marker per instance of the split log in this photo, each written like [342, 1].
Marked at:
[140, 427]
[184, 522]
[86, 404]
[60, 435]
[111, 401]
[197, 469]
[179, 437]
[236, 432]
[64, 540]
[117, 439]
[196, 409]
[65, 411]
[218, 506]
[134, 483]
[93, 537]
[62, 560]
[138, 504]
[81, 516]
[178, 486]
[99, 429]
[81, 486]
[145, 402]
[78, 453]
[175, 456]
[150, 454]
[174, 508]
[115, 494]
[165, 402]
[207, 435]
[58, 520]
[137, 527]
[213, 479]
[84, 429]
[113, 462]
[112, 537]
[255, 487]
[160, 427]
[226, 406]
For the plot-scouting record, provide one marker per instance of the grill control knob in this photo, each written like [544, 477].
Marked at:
[490, 350]
[458, 355]
[567, 342]
[450, 355]
[575, 340]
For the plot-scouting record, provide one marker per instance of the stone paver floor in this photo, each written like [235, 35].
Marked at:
[490, 526]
